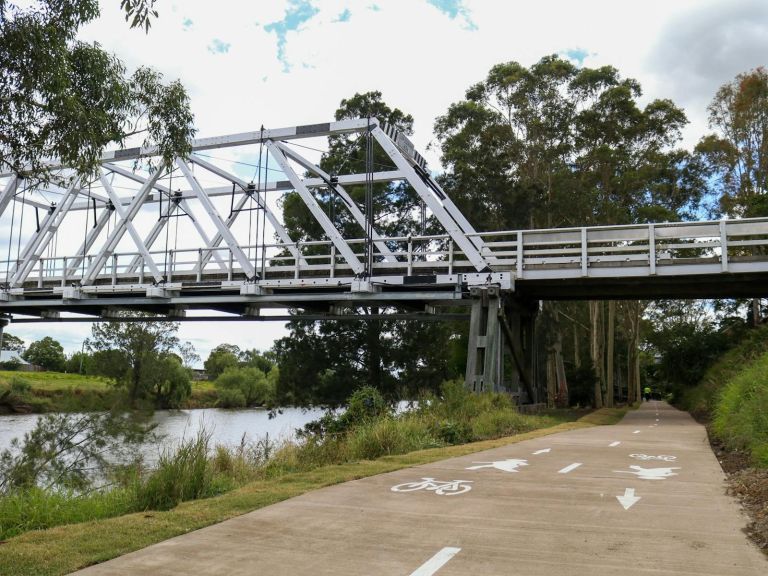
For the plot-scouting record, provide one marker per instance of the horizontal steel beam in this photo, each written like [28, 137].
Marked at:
[416, 316]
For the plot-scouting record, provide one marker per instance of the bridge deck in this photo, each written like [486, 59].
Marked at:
[684, 260]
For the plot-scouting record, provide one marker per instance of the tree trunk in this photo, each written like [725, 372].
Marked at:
[755, 312]
[632, 312]
[551, 377]
[374, 351]
[610, 353]
[596, 349]
[576, 350]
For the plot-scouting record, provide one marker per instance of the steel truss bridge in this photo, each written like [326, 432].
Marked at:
[96, 247]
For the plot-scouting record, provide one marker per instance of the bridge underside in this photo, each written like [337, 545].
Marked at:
[691, 287]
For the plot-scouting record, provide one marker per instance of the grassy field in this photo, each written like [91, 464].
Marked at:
[59, 392]
[63, 549]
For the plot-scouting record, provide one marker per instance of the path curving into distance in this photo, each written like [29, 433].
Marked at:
[643, 497]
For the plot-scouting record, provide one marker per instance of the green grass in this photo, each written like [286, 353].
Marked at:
[701, 400]
[60, 392]
[53, 381]
[733, 395]
[37, 509]
[63, 549]
[741, 413]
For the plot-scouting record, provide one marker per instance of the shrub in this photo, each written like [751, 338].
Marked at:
[252, 383]
[741, 415]
[11, 365]
[231, 398]
[452, 432]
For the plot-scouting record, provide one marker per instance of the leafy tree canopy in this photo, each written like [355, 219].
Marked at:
[737, 152]
[222, 357]
[62, 98]
[47, 353]
[14, 343]
[557, 145]
[139, 356]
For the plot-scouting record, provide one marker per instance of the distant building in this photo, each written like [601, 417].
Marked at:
[12, 356]
[13, 360]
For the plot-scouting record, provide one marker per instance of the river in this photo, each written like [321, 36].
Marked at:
[227, 426]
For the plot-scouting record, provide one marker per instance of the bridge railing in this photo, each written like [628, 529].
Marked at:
[720, 243]
[633, 250]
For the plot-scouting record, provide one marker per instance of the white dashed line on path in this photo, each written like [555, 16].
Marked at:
[436, 562]
[569, 468]
[636, 432]
[614, 444]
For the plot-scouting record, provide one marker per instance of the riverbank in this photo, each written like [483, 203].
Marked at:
[44, 392]
[63, 549]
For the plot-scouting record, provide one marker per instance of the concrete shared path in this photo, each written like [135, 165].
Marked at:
[643, 497]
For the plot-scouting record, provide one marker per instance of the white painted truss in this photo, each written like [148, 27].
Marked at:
[209, 232]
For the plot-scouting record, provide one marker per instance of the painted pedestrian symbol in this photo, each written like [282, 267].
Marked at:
[650, 473]
[510, 465]
[439, 487]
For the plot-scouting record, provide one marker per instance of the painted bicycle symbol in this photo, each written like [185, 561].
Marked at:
[439, 487]
[662, 457]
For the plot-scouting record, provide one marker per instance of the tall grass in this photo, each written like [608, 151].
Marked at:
[702, 400]
[733, 394]
[367, 430]
[741, 414]
[36, 509]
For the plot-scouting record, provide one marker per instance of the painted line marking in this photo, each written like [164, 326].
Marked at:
[436, 562]
[636, 432]
[544, 451]
[614, 444]
[629, 499]
[657, 419]
[569, 468]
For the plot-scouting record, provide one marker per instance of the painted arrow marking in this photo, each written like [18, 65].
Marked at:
[614, 444]
[436, 562]
[629, 499]
[569, 468]
[543, 451]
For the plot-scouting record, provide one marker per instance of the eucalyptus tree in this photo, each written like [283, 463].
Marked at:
[321, 362]
[557, 145]
[736, 153]
[66, 99]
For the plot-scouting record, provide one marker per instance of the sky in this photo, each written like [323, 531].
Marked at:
[290, 62]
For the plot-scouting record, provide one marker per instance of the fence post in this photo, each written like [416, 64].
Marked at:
[723, 245]
[652, 248]
[64, 273]
[297, 261]
[333, 260]
[410, 255]
[584, 252]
